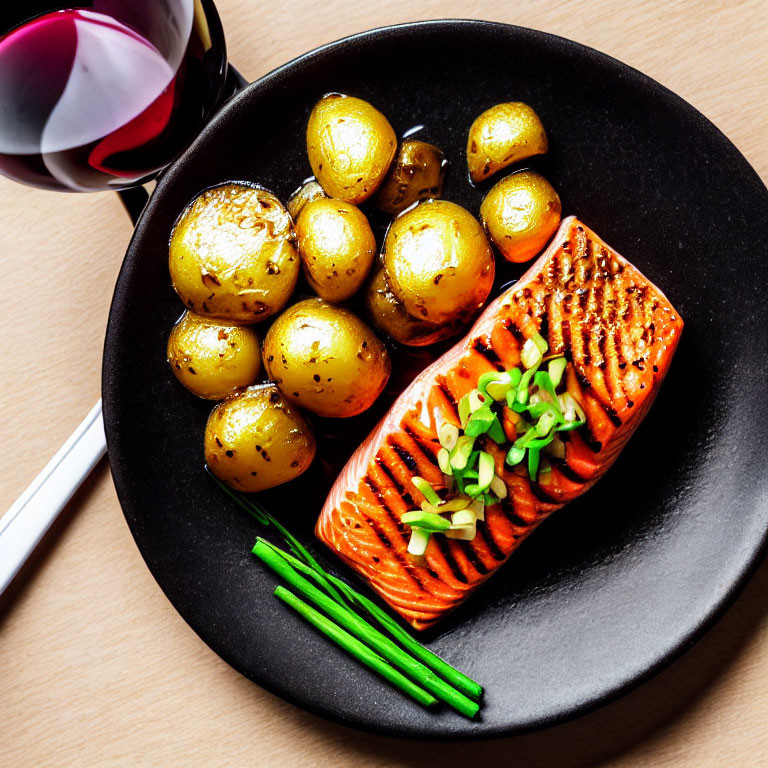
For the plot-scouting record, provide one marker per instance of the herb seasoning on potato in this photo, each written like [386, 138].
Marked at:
[438, 261]
[232, 255]
[256, 440]
[326, 359]
[336, 246]
[521, 213]
[503, 135]
[211, 358]
[350, 146]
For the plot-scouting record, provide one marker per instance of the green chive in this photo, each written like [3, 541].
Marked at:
[531, 355]
[542, 381]
[426, 490]
[418, 542]
[458, 679]
[365, 632]
[265, 518]
[429, 521]
[545, 424]
[556, 369]
[477, 400]
[486, 378]
[355, 648]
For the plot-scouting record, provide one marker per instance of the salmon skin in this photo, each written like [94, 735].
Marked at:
[618, 332]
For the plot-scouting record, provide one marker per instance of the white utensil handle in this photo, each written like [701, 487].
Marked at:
[25, 523]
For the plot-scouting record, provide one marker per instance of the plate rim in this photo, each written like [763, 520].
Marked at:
[752, 561]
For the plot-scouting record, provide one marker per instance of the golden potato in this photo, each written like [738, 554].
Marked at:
[502, 135]
[439, 263]
[350, 146]
[521, 213]
[326, 359]
[211, 358]
[256, 440]
[308, 191]
[232, 255]
[389, 316]
[416, 174]
[336, 246]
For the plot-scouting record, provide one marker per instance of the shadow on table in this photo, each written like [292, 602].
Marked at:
[614, 728]
[46, 549]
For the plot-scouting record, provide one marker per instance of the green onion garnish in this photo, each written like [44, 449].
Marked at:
[460, 454]
[426, 490]
[533, 462]
[429, 521]
[556, 369]
[480, 421]
[496, 432]
[515, 455]
[531, 355]
[448, 434]
[444, 461]
[485, 470]
[540, 342]
[417, 546]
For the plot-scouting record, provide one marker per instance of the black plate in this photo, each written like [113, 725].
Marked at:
[615, 585]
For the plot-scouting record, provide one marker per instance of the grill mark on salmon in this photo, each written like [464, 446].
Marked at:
[618, 333]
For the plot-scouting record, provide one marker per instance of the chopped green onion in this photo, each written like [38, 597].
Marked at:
[417, 546]
[556, 369]
[571, 408]
[556, 448]
[515, 455]
[462, 532]
[448, 434]
[531, 355]
[489, 500]
[463, 517]
[498, 487]
[496, 432]
[540, 342]
[571, 425]
[447, 506]
[355, 648]
[533, 462]
[545, 423]
[460, 454]
[480, 421]
[486, 378]
[444, 461]
[478, 508]
[485, 470]
[473, 490]
[544, 383]
[426, 490]
[429, 521]
[464, 410]
[476, 400]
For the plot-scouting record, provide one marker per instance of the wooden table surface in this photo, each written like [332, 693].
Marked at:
[96, 667]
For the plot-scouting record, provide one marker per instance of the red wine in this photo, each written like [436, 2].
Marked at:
[105, 96]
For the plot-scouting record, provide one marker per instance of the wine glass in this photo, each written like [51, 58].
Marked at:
[102, 95]
[105, 94]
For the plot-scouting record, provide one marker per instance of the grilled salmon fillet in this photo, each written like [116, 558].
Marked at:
[618, 332]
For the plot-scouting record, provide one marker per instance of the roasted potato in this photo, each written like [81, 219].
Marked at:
[521, 213]
[350, 146]
[502, 135]
[438, 261]
[212, 358]
[256, 440]
[416, 174]
[310, 190]
[326, 359]
[336, 246]
[232, 255]
[389, 315]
